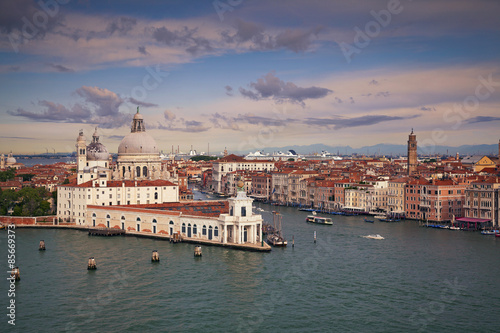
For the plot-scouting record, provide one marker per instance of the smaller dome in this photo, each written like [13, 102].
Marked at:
[96, 151]
[11, 160]
[138, 116]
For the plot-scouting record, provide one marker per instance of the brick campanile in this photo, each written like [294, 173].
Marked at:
[412, 153]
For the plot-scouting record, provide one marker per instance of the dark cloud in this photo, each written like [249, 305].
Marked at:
[181, 124]
[18, 138]
[338, 100]
[142, 50]
[229, 122]
[383, 94]
[351, 100]
[229, 90]
[425, 108]
[270, 86]
[339, 122]
[100, 106]
[121, 27]
[55, 112]
[373, 82]
[482, 119]
[184, 38]
[144, 104]
[60, 68]
[296, 40]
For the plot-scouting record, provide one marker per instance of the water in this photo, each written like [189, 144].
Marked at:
[415, 280]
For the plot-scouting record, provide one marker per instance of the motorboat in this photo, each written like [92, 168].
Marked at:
[319, 220]
[377, 236]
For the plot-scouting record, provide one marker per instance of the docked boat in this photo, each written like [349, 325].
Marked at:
[454, 228]
[276, 238]
[497, 235]
[367, 220]
[319, 220]
[490, 232]
[377, 236]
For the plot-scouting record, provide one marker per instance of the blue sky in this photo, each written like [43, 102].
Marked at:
[247, 75]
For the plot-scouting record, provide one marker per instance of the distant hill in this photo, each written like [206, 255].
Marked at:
[385, 149]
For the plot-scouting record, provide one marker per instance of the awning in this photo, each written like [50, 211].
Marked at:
[472, 220]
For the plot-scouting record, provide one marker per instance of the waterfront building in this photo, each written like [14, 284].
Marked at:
[294, 180]
[442, 200]
[261, 186]
[396, 196]
[73, 199]
[412, 153]
[230, 222]
[482, 200]
[232, 163]
[280, 186]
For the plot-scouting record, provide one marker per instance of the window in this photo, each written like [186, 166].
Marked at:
[138, 171]
[145, 171]
[184, 228]
[216, 232]
[156, 195]
[195, 229]
[243, 211]
[204, 230]
[138, 219]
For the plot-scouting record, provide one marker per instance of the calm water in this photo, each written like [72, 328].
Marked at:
[415, 280]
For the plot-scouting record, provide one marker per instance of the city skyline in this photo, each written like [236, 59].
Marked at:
[247, 75]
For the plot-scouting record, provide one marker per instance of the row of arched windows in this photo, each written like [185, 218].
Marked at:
[137, 171]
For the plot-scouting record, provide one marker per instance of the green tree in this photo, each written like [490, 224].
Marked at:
[203, 158]
[7, 175]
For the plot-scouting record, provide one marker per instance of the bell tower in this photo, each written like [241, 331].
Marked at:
[81, 156]
[412, 153]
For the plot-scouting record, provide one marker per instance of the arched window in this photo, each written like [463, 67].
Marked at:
[123, 168]
[195, 229]
[216, 232]
[108, 217]
[204, 230]
[145, 171]
[122, 218]
[184, 228]
[154, 221]
[156, 195]
[138, 219]
[138, 171]
[171, 222]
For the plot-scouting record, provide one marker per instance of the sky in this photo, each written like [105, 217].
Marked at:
[249, 74]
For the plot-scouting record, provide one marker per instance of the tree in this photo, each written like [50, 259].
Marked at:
[27, 177]
[7, 175]
[66, 181]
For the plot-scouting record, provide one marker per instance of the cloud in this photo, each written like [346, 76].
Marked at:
[229, 90]
[101, 106]
[425, 108]
[339, 122]
[271, 87]
[482, 119]
[144, 104]
[169, 115]
[55, 112]
[373, 82]
[142, 50]
[383, 94]
[224, 121]
[184, 37]
[120, 27]
[61, 68]
[338, 100]
[15, 14]
[296, 40]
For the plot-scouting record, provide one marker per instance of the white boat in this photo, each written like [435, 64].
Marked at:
[377, 236]
[454, 228]
[319, 220]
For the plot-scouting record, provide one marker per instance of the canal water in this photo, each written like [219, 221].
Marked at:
[415, 280]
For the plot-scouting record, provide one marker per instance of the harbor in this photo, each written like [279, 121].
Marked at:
[385, 284]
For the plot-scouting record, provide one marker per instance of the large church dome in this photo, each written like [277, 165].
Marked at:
[138, 141]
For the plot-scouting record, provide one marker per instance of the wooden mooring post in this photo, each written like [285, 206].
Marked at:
[91, 265]
[41, 247]
[155, 257]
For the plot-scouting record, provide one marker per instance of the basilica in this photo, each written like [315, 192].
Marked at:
[139, 194]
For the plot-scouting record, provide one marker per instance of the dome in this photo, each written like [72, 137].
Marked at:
[10, 160]
[138, 143]
[96, 151]
[81, 137]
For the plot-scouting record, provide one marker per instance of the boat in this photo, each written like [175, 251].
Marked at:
[377, 236]
[319, 219]
[259, 209]
[454, 228]
[497, 235]
[369, 221]
[490, 232]
[276, 238]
